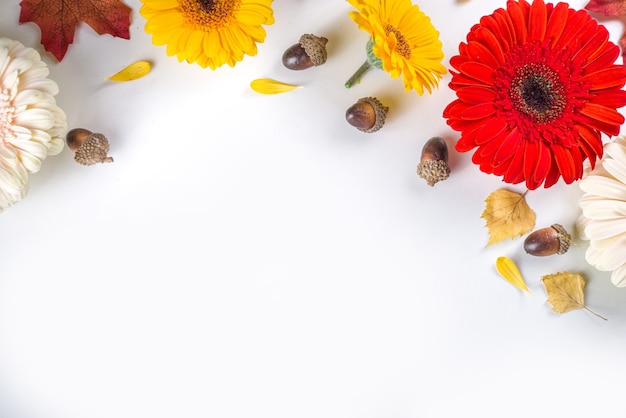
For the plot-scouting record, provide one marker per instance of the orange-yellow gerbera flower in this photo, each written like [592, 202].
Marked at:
[208, 32]
[403, 42]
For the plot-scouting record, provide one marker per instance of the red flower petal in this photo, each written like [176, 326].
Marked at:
[569, 162]
[544, 162]
[491, 128]
[472, 134]
[476, 95]
[614, 76]
[480, 111]
[574, 24]
[553, 175]
[602, 60]
[456, 61]
[602, 114]
[591, 142]
[490, 42]
[607, 128]
[556, 22]
[478, 71]
[479, 52]
[594, 44]
[515, 172]
[505, 28]
[609, 98]
[518, 21]
[537, 21]
[508, 145]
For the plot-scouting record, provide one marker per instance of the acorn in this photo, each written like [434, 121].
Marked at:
[308, 52]
[547, 241]
[368, 114]
[433, 166]
[89, 148]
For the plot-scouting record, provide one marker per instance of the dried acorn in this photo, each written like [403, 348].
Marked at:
[308, 52]
[368, 114]
[89, 148]
[433, 166]
[547, 241]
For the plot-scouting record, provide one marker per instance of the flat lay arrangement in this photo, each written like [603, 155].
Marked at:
[355, 208]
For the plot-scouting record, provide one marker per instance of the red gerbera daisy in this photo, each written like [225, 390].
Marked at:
[536, 86]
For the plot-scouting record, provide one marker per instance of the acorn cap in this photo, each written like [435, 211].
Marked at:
[433, 171]
[315, 48]
[564, 238]
[93, 150]
[380, 111]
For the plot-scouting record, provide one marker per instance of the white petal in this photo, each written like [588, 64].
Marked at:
[604, 209]
[616, 149]
[581, 224]
[35, 119]
[605, 228]
[604, 187]
[31, 97]
[616, 168]
[613, 255]
[618, 277]
[592, 255]
[9, 80]
[30, 162]
[603, 243]
[43, 84]
[32, 147]
[13, 184]
[56, 145]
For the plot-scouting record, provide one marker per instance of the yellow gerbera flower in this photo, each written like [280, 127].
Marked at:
[403, 41]
[208, 32]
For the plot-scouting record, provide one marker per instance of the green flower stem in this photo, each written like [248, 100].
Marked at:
[356, 77]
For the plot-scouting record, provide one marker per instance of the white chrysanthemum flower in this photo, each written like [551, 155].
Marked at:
[31, 124]
[603, 217]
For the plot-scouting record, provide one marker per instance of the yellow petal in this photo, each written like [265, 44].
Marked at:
[507, 269]
[269, 86]
[132, 72]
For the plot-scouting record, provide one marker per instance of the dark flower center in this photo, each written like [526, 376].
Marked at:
[402, 47]
[207, 5]
[209, 14]
[537, 92]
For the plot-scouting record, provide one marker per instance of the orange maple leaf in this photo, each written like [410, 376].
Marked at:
[58, 19]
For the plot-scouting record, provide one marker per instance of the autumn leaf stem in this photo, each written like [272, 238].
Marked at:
[590, 311]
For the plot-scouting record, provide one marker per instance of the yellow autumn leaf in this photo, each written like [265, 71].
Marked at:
[507, 269]
[566, 291]
[507, 215]
[132, 72]
[269, 86]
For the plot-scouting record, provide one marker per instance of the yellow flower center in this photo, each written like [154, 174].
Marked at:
[402, 47]
[209, 14]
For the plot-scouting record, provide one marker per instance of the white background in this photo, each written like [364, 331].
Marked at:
[256, 256]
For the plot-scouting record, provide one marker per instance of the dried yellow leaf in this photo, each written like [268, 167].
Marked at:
[132, 72]
[269, 86]
[566, 291]
[508, 269]
[507, 215]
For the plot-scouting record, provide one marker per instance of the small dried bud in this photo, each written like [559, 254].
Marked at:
[89, 148]
[308, 52]
[367, 114]
[433, 166]
[547, 241]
